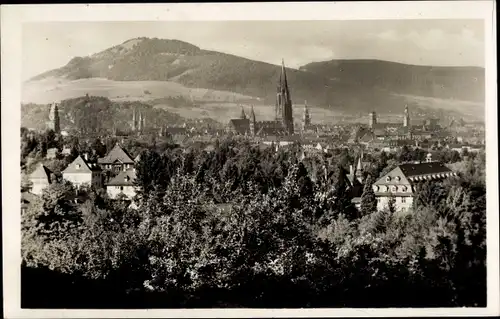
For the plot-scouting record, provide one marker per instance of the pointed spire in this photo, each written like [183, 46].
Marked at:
[252, 114]
[243, 115]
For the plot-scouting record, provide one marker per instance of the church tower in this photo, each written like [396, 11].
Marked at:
[243, 115]
[306, 120]
[359, 169]
[134, 121]
[54, 119]
[373, 119]
[140, 122]
[253, 123]
[406, 120]
[284, 102]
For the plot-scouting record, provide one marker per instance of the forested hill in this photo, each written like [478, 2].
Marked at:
[355, 85]
[465, 83]
[95, 113]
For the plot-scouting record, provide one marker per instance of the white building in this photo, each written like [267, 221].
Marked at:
[80, 172]
[40, 179]
[401, 181]
[123, 183]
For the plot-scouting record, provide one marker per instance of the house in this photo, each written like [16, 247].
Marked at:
[401, 181]
[81, 172]
[40, 178]
[123, 183]
[116, 160]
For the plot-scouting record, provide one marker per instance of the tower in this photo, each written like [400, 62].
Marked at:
[359, 169]
[373, 119]
[134, 121]
[252, 122]
[284, 102]
[306, 120]
[54, 119]
[406, 119]
[243, 115]
[140, 122]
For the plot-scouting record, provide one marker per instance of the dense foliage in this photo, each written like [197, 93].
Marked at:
[249, 227]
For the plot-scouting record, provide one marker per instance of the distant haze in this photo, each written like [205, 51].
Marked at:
[51, 45]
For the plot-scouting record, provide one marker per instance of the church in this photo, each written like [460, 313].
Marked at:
[282, 125]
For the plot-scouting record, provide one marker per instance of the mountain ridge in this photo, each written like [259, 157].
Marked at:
[351, 84]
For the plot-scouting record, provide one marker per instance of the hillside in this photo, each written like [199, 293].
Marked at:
[145, 69]
[461, 83]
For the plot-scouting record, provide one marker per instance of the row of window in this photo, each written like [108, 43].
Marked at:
[403, 199]
[393, 188]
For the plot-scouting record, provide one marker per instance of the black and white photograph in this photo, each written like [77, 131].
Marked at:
[211, 161]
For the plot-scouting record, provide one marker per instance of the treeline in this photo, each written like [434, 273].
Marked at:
[248, 227]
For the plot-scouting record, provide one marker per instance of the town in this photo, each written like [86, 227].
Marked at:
[204, 214]
[418, 150]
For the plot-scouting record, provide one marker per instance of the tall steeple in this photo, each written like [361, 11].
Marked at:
[54, 123]
[285, 102]
[243, 115]
[306, 120]
[252, 121]
[134, 121]
[406, 120]
[140, 122]
[359, 168]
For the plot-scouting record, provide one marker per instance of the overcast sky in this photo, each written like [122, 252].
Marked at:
[429, 42]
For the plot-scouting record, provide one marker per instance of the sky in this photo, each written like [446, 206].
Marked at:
[50, 45]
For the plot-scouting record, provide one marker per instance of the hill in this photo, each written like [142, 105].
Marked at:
[461, 83]
[148, 69]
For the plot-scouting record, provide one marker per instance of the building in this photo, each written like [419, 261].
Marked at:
[123, 184]
[40, 179]
[400, 183]
[118, 159]
[54, 123]
[282, 125]
[81, 172]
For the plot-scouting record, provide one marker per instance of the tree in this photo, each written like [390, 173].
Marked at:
[368, 199]
[391, 204]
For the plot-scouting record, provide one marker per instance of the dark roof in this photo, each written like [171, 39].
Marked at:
[410, 169]
[116, 154]
[124, 178]
[240, 125]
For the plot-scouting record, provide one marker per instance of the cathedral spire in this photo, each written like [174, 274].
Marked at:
[285, 102]
[243, 115]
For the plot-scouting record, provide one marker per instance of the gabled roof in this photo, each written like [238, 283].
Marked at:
[124, 178]
[410, 172]
[79, 165]
[240, 125]
[117, 153]
[41, 172]
[410, 169]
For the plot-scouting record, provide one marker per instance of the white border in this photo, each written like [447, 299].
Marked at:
[12, 18]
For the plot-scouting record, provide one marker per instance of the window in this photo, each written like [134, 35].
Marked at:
[403, 200]
[398, 178]
[121, 188]
[77, 166]
[394, 189]
[388, 178]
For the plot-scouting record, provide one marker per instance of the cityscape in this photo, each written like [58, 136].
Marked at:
[158, 174]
